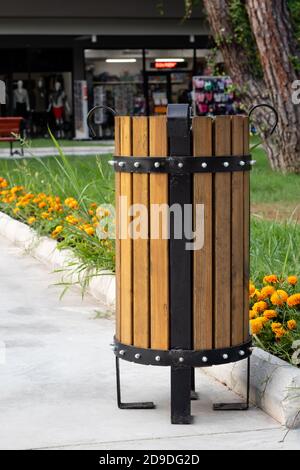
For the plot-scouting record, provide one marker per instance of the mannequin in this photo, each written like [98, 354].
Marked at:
[58, 104]
[21, 100]
[39, 115]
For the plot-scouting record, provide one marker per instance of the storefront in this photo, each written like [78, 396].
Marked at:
[134, 56]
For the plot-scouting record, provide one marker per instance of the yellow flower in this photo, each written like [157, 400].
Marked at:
[72, 220]
[275, 326]
[279, 297]
[256, 325]
[46, 216]
[16, 210]
[292, 280]
[266, 292]
[293, 300]
[89, 230]
[71, 202]
[269, 314]
[31, 220]
[270, 279]
[56, 231]
[252, 314]
[251, 289]
[259, 306]
[292, 324]
[279, 332]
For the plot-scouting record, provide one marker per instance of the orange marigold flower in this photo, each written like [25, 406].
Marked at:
[266, 292]
[292, 324]
[269, 314]
[293, 300]
[279, 297]
[42, 204]
[260, 306]
[275, 326]
[256, 325]
[71, 202]
[292, 280]
[56, 231]
[252, 314]
[270, 279]
[251, 289]
[279, 332]
[31, 220]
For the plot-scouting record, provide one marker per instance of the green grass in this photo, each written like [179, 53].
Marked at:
[92, 176]
[268, 186]
[47, 142]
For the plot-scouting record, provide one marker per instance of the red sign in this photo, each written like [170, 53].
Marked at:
[165, 65]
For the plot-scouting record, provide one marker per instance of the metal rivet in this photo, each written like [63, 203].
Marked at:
[252, 162]
[242, 163]
[121, 164]
[111, 162]
[181, 359]
[137, 356]
[226, 164]
[225, 356]
[242, 353]
[157, 358]
[157, 164]
[204, 165]
[122, 352]
[137, 164]
[204, 359]
[180, 165]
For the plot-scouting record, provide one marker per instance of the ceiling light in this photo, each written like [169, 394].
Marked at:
[120, 61]
[169, 60]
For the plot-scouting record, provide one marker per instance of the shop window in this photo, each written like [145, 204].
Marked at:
[115, 79]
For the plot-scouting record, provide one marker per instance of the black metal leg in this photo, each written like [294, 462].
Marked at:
[11, 148]
[194, 394]
[129, 406]
[237, 406]
[181, 395]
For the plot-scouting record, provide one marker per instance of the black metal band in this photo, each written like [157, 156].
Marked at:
[182, 357]
[182, 165]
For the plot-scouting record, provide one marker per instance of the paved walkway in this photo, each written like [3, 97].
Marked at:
[57, 384]
[50, 151]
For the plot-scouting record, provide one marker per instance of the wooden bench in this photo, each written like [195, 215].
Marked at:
[10, 129]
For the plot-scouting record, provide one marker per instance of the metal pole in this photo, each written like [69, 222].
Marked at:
[180, 193]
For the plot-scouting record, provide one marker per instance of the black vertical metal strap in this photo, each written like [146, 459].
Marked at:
[180, 193]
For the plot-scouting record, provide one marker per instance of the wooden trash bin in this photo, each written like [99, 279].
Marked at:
[177, 306]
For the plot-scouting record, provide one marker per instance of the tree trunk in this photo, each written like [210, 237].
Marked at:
[271, 26]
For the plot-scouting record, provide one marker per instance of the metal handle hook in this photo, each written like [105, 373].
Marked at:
[272, 109]
[91, 113]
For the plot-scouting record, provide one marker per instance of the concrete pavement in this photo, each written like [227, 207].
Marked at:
[57, 383]
[50, 151]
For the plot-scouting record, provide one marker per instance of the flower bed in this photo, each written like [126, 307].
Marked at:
[275, 316]
[77, 226]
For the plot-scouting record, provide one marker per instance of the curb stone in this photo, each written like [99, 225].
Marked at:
[102, 286]
[274, 385]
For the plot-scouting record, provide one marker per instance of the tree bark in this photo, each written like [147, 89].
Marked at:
[271, 25]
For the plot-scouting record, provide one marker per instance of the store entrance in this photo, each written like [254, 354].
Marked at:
[167, 87]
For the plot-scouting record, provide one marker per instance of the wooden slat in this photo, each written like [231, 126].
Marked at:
[246, 233]
[126, 274]
[117, 242]
[237, 234]
[222, 238]
[159, 276]
[141, 330]
[202, 283]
